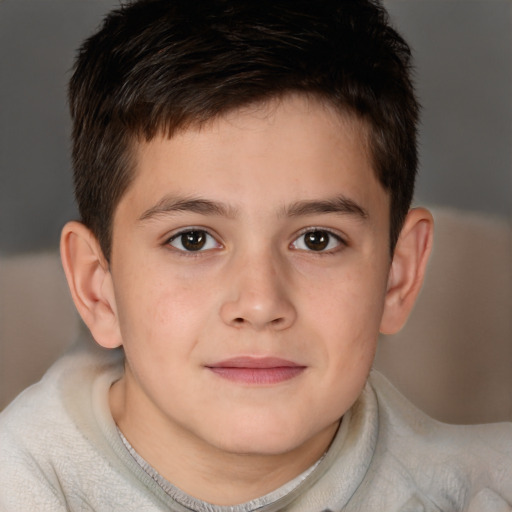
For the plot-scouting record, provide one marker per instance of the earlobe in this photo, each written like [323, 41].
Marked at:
[407, 269]
[90, 283]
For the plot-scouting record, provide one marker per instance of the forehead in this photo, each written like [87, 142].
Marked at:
[282, 150]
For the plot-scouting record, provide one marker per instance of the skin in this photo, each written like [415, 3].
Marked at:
[265, 187]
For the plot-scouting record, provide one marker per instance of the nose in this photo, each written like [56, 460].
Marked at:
[259, 294]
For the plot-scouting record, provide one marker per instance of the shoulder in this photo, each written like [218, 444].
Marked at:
[39, 430]
[45, 406]
[453, 464]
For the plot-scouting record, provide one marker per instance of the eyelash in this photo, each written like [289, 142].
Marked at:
[209, 238]
[190, 230]
[324, 252]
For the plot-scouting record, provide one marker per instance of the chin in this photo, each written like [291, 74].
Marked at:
[259, 447]
[263, 439]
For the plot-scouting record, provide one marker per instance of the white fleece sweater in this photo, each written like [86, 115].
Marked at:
[60, 450]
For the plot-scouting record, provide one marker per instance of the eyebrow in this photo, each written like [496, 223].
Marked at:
[172, 204]
[175, 204]
[339, 205]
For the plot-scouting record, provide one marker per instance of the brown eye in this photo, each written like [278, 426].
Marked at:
[317, 240]
[194, 240]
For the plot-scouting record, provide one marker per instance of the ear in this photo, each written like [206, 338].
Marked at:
[90, 283]
[407, 269]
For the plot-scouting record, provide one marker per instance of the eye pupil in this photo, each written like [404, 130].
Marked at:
[316, 240]
[193, 240]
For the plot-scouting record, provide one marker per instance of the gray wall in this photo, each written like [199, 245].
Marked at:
[463, 52]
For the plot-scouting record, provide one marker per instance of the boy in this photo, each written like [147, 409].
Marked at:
[244, 172]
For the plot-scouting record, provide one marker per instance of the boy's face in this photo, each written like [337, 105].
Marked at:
[249, 266]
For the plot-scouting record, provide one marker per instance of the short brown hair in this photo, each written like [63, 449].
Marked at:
[161, 65]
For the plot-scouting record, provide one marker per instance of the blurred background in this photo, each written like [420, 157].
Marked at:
[463, 58]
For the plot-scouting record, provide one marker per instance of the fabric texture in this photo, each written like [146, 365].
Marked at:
[60, 450]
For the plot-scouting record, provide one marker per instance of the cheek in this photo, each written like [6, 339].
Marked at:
[349, 315]
[160, 327]
[158, 307]
[353, 297]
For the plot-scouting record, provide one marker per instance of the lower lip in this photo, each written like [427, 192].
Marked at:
[258, 376]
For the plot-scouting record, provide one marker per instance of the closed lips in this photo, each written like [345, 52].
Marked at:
[250, 370]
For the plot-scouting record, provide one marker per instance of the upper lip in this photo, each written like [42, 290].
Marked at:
[255, 362]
